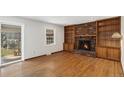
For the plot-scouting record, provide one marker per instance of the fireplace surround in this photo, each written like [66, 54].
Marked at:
[86, 44]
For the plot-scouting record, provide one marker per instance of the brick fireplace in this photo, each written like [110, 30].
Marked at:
[86, 46]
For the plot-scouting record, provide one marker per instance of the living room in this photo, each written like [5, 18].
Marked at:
[94, 43]
[61, 46]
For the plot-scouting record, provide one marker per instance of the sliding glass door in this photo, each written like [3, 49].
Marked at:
[10, 43]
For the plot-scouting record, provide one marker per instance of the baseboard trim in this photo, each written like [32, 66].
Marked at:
[34, 57]
[57, 52]
[43, 55]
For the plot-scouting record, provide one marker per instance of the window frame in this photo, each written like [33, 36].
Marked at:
[54, 35]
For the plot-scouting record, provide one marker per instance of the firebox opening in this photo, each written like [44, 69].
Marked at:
[85, 44]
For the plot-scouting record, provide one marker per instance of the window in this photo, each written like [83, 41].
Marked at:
[49, 36]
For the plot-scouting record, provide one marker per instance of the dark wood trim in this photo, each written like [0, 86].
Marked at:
[96, 33]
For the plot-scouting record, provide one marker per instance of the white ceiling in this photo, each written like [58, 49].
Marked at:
[66, 20]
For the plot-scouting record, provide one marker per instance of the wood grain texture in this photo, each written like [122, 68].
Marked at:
[101, 52]
[109, 47]
[63, 64]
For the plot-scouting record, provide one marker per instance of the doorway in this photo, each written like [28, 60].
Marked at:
[11, 44]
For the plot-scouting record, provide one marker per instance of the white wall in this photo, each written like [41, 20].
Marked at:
[34, 36]
[122, 41]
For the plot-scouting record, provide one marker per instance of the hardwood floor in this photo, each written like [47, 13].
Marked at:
[63, 64]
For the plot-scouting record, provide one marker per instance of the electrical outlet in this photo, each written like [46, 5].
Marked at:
[48, 54]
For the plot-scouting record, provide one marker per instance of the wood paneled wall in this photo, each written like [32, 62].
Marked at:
[101, 30]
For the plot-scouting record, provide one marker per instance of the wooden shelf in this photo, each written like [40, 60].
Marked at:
[107, 25]
[85, 36]
[109, 47]
[109, 30]
[111, 39]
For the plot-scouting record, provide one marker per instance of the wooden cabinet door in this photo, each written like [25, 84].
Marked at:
[66, 47]
[71, 47]
[113, 53]
[101, 52]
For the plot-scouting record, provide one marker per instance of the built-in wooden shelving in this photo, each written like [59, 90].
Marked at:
[101, 31]
[107, 47]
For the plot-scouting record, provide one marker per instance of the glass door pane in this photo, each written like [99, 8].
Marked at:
[10, 43]
[0, 44]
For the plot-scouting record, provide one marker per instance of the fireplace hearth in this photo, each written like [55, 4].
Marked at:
[86, 46]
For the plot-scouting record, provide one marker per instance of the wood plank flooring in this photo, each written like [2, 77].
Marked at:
[63, 64]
